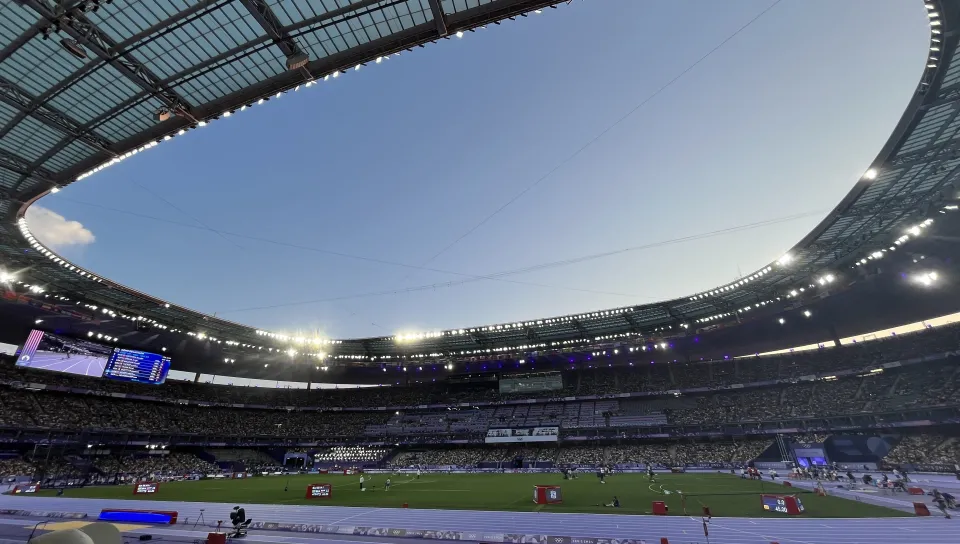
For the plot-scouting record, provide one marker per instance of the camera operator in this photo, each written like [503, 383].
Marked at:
[238, 517]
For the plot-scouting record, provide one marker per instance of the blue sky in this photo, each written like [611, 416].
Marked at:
[396, 161]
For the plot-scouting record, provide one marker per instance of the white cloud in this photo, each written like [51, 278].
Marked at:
[55, 231]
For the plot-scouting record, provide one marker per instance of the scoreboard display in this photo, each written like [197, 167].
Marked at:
[144, 488]
[319, 491]
[28, 488]
[130, 365]
[782, 504]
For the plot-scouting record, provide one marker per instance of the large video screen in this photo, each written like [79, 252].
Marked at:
[48, 351]
[130, 365]
[531, 383]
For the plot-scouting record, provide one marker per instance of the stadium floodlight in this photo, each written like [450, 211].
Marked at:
[785, 259]
[459, 33]
[781, 321]
[297, 61]
[806, 313]
[870, 174]
[55, 189]
[6, 277]
[926, 278]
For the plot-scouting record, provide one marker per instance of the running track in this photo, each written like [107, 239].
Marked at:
[678, 529]
[85, 365]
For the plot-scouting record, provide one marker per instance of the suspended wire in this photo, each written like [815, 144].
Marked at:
[543, 266]
[302, 247]
[184, 213]
[597, 137]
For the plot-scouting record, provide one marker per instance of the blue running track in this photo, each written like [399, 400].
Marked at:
[678, 529]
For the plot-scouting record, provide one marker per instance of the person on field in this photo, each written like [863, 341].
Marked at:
[362, 480]
[941, 502]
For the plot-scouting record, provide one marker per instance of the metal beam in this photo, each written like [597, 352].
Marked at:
[580, 328]
[175, 21]
[22, 39]
[16, 163]
[949, 150]
[634, 327]
[19, 99]
[267, 20]
[439, 18]
[87, 34]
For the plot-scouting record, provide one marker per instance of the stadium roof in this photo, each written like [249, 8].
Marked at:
[85, 84]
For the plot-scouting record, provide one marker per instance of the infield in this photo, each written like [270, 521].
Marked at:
[724, 494]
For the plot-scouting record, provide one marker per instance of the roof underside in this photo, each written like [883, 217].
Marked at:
[61, 116]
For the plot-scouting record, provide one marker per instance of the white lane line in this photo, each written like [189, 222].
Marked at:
[355, 516]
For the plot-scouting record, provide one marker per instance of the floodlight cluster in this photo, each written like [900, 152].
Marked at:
[910, 233]
[935, 23]
[99, 336]
[926, 278]
[737, 284]
[36, 245]
[317, 341]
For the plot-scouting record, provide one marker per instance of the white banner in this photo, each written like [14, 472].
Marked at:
[528, 434]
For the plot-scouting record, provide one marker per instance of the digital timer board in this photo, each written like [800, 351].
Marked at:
[130, 365]
[782, 504]
[144, 488]
[319, 491]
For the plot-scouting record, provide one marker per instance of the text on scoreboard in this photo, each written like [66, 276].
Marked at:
[782, 504]
[130, 365]
[145, 488]
[526, 434]
[319, 491]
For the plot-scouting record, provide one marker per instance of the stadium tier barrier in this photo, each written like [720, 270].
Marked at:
[508, 538]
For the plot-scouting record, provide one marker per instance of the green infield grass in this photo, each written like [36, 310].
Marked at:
[724, 494]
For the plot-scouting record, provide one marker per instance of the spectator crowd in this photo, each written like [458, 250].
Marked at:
[880, 393]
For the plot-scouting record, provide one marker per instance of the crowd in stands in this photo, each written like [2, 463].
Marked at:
[595, 378]
[910, 449]
[662, 455]
[14, 466]
[928, 384]
[106, 468]
[870, 391]
[932, 449]
[145, 466]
